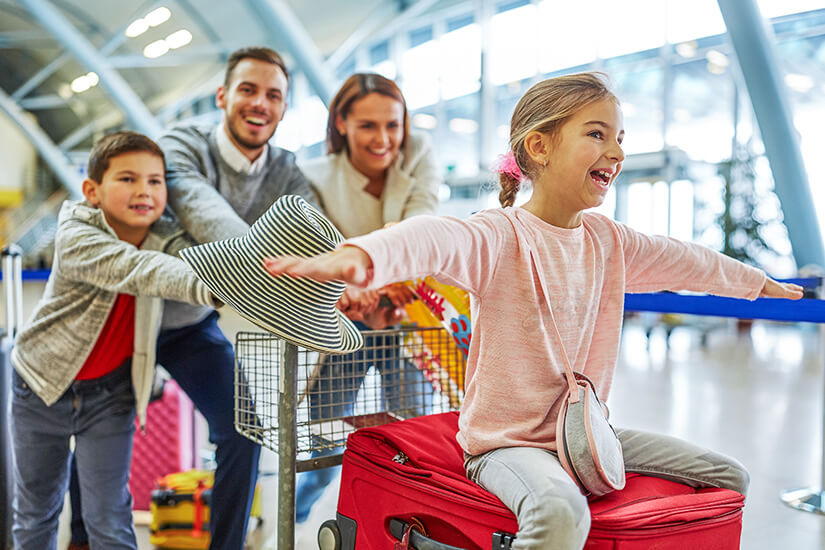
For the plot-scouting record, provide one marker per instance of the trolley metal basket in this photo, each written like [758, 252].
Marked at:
[303, 404]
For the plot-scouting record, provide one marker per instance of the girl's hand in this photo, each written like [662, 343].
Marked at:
[349, 264]
[774, 289]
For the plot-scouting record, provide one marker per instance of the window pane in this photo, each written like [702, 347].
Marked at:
[629, 26]
[776, 8]
[458, 149]
[461, 62]
[420, 70]
[694, 19]
[681, 210]
[639, 87]
[456, 23]
[565, 42]
[419, 36]
[703, 112]
[380, 52]
[511, 57]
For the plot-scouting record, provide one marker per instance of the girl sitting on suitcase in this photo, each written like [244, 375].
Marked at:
[565, 137]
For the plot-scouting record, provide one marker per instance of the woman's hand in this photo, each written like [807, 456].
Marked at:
[775, 289]
[356, 302]
[382, 317]
[399, 294]
[349, 264]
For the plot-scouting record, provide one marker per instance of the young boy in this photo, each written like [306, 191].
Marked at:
[84, 363]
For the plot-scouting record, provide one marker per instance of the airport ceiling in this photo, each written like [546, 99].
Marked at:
[30, 53]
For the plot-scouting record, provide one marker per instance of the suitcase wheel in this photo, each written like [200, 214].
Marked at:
[329, 536]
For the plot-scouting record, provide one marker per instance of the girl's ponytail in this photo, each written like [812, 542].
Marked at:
[509, 189]
[510, 177]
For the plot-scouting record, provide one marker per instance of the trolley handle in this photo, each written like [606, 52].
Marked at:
[420, 541]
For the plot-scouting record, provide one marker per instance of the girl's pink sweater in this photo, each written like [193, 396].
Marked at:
[515, 379]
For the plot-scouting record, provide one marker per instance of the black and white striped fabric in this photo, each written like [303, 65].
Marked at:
[299, 310]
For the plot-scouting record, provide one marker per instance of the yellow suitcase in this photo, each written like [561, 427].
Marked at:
[180, 510]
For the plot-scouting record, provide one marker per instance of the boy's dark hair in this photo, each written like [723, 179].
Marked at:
[261, 53]
[112, 145]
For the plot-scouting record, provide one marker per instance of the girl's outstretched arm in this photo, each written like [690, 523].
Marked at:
[775, 289]
[348, 263]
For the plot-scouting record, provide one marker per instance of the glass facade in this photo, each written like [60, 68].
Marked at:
[463, 69]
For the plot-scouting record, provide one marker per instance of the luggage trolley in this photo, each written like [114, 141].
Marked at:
[303, 404]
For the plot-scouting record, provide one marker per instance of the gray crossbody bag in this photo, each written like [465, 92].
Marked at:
[588, 448]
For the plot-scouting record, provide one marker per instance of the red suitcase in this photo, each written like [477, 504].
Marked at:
[168, 445]
[414, 469]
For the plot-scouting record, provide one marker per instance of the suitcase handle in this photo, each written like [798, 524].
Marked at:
[419, 541]
[12, 256]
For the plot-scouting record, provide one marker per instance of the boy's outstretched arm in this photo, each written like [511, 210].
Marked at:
[348, 263]
[775, 289]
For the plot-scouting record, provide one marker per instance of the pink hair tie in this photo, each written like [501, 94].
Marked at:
[506, 164]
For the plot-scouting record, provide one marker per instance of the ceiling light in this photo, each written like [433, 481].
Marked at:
[92, 77]
[715, 69]
[65, 91]
[717, 58]
[81, 84]
[799, 82]
[158, 16]
[136, 28]
[463, 125]
[687, 49]
[179, 38]
[156, 49]
[424, 121]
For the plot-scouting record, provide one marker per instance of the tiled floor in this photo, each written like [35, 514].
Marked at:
[756, 395]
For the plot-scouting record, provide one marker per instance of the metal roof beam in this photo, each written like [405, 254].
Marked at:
[53, 156]
[26, 39]
[113, 43]
[278, 19]
[117, 87]
[40, 102]
[383, 19]
[191, 55]
[753, 42]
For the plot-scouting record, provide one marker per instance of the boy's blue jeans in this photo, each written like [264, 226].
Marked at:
[405, 391]
[201, 360]
[100, 413]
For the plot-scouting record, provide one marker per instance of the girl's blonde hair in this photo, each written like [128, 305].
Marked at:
[544, 108]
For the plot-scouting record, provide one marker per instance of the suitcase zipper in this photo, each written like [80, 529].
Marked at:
[671, 527]
[434, 489]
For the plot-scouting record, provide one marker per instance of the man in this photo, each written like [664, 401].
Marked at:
[220, 180]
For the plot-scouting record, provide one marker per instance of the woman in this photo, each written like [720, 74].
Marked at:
[375, 173]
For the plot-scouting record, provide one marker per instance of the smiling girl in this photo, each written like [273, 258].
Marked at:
[546, 279]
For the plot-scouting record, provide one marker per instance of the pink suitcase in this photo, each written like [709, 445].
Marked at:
[414, 469]
[168, 445]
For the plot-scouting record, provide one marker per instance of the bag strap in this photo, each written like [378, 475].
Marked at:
[568, 370]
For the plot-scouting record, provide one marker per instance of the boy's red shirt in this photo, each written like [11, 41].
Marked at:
[116, 341]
